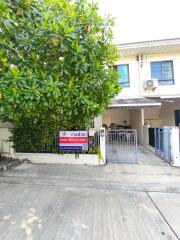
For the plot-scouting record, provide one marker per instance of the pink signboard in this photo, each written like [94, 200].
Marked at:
[73, 140]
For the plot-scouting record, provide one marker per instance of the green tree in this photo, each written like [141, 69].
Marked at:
[54, 58]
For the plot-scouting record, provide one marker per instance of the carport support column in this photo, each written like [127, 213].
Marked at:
[137, 122]
[141, 139]
[102, 153]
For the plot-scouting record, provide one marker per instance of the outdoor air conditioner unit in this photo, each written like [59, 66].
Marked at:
[151, 84]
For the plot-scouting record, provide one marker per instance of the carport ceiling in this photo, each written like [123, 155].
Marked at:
[135, 103]
[171, 99]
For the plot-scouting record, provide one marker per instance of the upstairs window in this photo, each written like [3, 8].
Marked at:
[123, 70]
[163, 71]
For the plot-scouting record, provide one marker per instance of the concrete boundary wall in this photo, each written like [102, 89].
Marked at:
[89, 159]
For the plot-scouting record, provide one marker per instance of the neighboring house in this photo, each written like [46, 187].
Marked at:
[150, 77]
[4, 136]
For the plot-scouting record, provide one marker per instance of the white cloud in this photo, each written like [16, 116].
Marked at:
[140, 20]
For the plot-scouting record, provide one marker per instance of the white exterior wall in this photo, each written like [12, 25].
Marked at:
[4, 137]
[134, 89]
[152, 117]
[116, 116]
[5, 125]
[98, 122]
[138, 75]
[163, 116]
[167, 113]
[168, 90]
[137, 122]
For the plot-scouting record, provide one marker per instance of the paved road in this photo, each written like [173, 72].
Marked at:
[113, 202]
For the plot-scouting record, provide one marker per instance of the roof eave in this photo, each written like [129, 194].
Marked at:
[162, 42]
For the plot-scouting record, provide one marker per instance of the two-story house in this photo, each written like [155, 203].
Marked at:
[150, 77]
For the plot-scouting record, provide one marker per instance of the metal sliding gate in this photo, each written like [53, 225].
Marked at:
[163, 143]
[121, 146]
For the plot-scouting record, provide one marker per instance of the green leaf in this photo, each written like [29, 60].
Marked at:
[52, 66]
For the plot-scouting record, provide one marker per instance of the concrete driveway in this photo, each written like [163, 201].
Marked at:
[113, 202]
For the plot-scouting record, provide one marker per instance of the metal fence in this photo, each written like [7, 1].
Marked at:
[121, 146]
[51, 145]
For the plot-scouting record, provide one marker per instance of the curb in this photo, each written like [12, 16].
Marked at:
[10, 165]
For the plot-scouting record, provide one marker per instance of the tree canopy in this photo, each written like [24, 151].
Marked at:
[54, 62]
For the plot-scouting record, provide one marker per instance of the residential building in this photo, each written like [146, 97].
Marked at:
[150, 77]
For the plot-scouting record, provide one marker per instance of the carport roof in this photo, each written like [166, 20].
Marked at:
[134, 103]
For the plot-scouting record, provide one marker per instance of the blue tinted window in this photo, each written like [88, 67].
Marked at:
[123, 70]
[163, 71]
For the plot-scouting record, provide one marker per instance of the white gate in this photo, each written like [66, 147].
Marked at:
[163, 143]
[121, 146]
[167, 144]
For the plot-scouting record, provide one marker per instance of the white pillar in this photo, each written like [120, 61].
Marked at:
[102, 153]
[98, 122]
[137, 122]
[141, 126]
[175, 161]
[146, 134]
[11, 149]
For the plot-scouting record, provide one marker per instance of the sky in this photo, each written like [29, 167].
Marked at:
[143, 20]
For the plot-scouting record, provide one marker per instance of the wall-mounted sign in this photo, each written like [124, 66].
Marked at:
[91, 132]
[73, 140]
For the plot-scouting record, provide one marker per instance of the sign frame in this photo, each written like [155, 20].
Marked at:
[73, 140]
